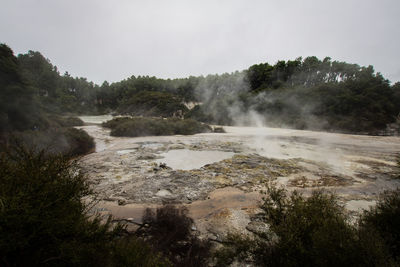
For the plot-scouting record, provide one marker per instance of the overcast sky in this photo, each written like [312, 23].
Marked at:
[114, 39]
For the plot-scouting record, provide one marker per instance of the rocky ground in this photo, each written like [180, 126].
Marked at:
[221, 177]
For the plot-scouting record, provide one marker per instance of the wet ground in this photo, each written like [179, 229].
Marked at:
[220, 176]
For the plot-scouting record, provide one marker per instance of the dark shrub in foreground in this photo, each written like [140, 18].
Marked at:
[169, 230]
[384, 219]
[303, 231]
[141, 126]
[44, 221]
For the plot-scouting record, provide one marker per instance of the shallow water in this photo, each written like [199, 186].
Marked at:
[185, 159]
[95, 119]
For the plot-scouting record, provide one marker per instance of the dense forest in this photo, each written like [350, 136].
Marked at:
[304, 93]
[27, 104]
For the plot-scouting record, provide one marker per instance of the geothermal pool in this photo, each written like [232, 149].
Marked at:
[219, 176]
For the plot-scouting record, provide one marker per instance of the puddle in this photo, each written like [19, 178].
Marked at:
[185, 159]
[95, 119]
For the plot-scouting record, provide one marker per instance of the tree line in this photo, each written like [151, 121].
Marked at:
[304, 93]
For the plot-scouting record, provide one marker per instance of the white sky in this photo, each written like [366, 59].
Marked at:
[114, 39]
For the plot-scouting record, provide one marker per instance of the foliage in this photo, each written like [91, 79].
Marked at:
[44, 219]
[311, 231]
[169, 230]
[384, 219]
[56, 93]
[198, 113]
[70, 142]
[141, 126]
[337, 95]
[132, 251]
[79, 141]
[147, 103]
[62, 121]
[18, 106]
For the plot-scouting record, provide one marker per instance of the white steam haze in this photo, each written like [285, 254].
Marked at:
[221, 97]
[112, 40]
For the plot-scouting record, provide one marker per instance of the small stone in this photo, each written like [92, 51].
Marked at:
[121, 202]
[163, 193]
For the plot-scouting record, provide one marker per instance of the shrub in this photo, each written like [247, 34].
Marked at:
[311, 231]
[169, 230]
[45, 222]
[67, 141]
[42, 216]
[79, 141]
[115, 122]
[141, 126]
[66, 121]
[384, 219]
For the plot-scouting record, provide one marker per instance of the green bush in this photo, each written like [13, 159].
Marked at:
[384, 219]
[67, 141]
[115, 122]
[311, 231]
[79, 141]
[44, 220]
[169, 230]
[141, 126]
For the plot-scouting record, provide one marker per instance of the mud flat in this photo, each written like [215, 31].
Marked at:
[220, 176]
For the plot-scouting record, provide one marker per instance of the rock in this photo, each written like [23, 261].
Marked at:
[261, 228]
[176, 146]
[146, 156]
[164, 166]
[258, 227]
[163, 193]
[121, 202]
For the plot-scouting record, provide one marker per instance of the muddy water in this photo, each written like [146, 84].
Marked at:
[219, 176]
[218, 200]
